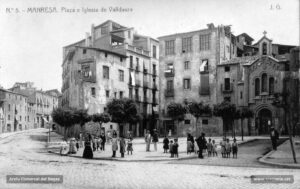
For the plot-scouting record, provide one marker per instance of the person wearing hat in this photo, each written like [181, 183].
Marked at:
[155, 139]
[201, 142]
[274, 137]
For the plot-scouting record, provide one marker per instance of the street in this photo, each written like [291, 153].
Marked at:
[25, 154]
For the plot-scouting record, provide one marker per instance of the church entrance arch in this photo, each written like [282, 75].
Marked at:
[264, 121]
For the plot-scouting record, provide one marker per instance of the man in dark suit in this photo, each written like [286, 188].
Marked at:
[201, 142]
[274, 137]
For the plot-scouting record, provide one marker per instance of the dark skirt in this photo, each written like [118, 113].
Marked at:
[166, 146]
[88, 152]
[234, 150]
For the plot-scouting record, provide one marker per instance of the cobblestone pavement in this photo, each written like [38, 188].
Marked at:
[25, 154]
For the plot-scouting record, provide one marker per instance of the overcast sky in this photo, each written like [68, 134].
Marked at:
[31, 43]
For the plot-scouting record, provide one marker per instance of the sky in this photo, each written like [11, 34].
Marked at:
[31, 43]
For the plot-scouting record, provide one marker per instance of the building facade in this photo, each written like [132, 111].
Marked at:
[112, 62]
[254, 80]
[13, 110]
[188, 63]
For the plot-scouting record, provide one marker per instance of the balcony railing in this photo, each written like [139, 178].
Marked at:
[146, 100]
[155, 100]
[138, 50]
[169, 93]
[169, 73]
[137, 98]
[228, 89]
[138, 83]
[145, 84]
[137, 68]
[145, 71]
[154, 73]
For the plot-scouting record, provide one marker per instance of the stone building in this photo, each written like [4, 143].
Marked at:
[40, 104]
[253, 80]
[13, 111]
[112, 62]
[188, 63]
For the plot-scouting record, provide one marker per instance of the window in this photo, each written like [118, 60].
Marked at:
[187, 65]
[129, 34]
[121, 59]
[8, 117]
[154, 69]
[131, 61]
[86, 71]
[257, 87]
[105, 72]
[204, 66]
[204, 42]
[130, 93]
[170, 85]
[187, 122]
[170, 48]
[227, 68]
[227, 84]
[170, 68]
[20, 118]
[104, 30]
[187, 44]
[8, 107]
[121, 75]
[271, 86]
[264, 82]
[204, 121]
[105, 55]
[154, 51]
[264, 48]
[93, 91]
[187, 83]
[121, 94]
[115, 94]
[241, 94]
[84, 51]
[107, 93]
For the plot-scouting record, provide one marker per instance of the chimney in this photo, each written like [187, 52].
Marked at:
[87, 39]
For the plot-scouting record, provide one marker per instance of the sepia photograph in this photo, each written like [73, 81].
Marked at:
[131, 94]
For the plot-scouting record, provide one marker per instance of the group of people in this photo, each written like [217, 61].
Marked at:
[122, 143]
[171, 146]
[227, 148]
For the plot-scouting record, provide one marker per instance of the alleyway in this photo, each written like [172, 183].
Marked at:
[25, 154]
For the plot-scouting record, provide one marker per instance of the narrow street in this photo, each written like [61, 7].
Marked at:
[25, 154]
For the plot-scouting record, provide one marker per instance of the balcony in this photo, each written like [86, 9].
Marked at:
[154, 73]
[228, 89]
[137, 68]
[146, 100]
[169, 93]
[137, 83]
[137, 98]
[145, 71]
[138, 50]
[169, 73]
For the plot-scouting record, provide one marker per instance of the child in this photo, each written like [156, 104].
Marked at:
[175, 147]
[228, 148]
[209, 147]
[129, 146]
[223, 149]
[166, 144]
[171, 148]
[214, 148]
[234, 148]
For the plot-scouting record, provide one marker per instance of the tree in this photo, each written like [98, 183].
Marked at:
[227, 112]
[101, 118]
[64, 117]
[176, 111]
[243, 113]
[198, 110]
[81, 117]
[123, 111]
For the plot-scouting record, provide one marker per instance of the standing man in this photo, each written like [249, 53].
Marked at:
[201, 142]
[103, 138]
[148, 141]
[155, 139]
[274, 137]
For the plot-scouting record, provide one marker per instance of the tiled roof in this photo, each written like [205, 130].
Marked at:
[241, 60]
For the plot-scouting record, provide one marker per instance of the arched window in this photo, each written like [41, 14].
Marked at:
[271, 86]
[264, 83]
[257, 86]
[264, 48]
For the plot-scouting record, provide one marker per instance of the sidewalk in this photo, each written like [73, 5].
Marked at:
[8, 134]
[139, 150]
[283, 157]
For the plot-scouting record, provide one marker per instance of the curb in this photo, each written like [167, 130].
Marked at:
[263, 160]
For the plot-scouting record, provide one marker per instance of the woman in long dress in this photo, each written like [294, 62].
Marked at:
[88, 152]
